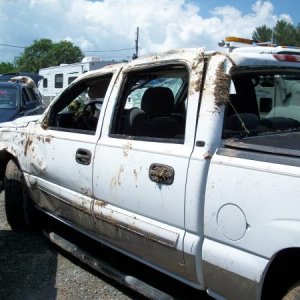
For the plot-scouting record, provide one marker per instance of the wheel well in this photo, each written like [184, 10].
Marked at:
[283, 272]
[4, 158]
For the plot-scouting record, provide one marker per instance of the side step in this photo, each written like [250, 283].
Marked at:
[101, 266]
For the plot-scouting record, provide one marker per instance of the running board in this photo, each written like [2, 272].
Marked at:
[104, 268]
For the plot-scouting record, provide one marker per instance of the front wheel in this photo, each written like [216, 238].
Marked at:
[20, 212]
[293, 293]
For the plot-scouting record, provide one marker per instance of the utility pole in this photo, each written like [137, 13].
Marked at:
[136, 54]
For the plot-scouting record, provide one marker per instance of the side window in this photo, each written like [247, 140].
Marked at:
[8, 97]
[71, 79]
[33, 95]
[78, 108]
[25, 96]
[45, 83]
[58, 81]
[152, 105]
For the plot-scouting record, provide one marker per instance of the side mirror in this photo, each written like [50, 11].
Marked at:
[265, 105]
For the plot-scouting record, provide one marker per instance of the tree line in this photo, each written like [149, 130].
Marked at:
[44, 53]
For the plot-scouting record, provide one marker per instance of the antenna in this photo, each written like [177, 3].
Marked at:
[136, 54]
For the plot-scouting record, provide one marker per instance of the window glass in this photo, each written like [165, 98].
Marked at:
[152, 105]
[8, 97]
[78, 108]
[33, 95]
[45, 83]
[58, 81]
[71, 79]
[25, 96]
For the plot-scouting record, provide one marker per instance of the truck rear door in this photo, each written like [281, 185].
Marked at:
[142, 158]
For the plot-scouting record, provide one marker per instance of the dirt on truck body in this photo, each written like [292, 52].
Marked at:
[167, 159]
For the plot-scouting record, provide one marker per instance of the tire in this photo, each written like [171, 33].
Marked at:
[293, 293]
[19, 209]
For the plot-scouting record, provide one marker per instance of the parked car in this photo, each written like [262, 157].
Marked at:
[187, 161]
[19, 97]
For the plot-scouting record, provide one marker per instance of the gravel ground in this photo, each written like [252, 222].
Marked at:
[32, 268]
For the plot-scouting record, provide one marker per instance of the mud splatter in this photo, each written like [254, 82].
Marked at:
[222, 84]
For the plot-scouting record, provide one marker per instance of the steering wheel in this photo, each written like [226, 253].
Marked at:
[88, 116]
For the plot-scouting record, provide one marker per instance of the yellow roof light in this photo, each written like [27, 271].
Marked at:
[238, 40]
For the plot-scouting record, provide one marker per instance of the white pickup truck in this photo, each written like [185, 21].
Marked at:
[187, 161]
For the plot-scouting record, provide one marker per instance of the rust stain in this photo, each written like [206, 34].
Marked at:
[207, 155]
[27, 145]
[100, 203]
[85, 192]
[126, 148]
[48, 139]
[116, 179]
[119, 174]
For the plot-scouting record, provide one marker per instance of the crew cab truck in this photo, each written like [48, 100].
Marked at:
[187, 161]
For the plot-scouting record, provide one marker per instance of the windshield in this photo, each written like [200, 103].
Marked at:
[263, 102]
[8, 97]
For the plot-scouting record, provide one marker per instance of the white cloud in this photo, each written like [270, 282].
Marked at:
[111, 24]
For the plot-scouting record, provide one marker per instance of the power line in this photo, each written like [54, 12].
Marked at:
[111, 50]
[6, 45]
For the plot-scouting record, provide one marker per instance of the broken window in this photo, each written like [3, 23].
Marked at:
[152, 105]
[78, 108]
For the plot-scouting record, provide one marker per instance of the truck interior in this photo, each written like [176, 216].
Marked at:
[263, 101]
[152, 105]
[79, 107]
[264, 110]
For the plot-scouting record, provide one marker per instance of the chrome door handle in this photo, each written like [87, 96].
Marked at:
[83, 156]
[162, 174]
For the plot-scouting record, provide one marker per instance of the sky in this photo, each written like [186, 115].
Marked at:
[107, 28]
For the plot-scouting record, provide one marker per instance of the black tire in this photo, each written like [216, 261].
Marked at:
[293, 293]
[20, 212]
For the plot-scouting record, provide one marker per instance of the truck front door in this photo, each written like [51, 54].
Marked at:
[61, 150]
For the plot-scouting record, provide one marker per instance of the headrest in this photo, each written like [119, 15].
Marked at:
[158, 102]
[251, 121]
[98, 89]
[279, 123]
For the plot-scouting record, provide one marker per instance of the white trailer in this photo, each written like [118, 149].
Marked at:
[57, 78]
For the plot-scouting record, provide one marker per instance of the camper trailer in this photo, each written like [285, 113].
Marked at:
[56, 78]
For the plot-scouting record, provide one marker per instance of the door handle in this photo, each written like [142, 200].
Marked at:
[83, 156]
[162, 174]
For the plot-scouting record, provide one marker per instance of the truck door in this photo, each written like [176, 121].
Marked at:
[61, 150]
[142, 159]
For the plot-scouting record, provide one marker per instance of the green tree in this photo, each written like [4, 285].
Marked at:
[284, 33]
[7, 67]
[44, 53]
[262, 34]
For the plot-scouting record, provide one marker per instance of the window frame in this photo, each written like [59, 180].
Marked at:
[119, 108]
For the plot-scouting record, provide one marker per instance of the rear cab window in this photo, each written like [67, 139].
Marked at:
[264, 109]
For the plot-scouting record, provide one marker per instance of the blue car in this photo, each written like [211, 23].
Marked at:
[19, 97]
